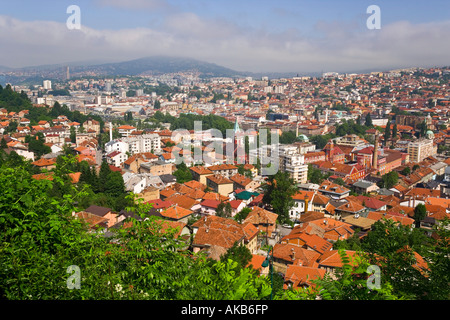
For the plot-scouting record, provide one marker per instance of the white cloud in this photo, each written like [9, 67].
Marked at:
[340, 47]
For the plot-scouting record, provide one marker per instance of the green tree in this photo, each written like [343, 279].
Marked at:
[224, 210]
[420, 212]
[104, 172]
[406, 171]
[368, 122]
[394, 131]
[183, 173]
[238, 253]
[387, 132]
[388, 180]
[36, 144]
[278, 192]
[73, 134]
[40, 240]
[350, 282]
[242, 215]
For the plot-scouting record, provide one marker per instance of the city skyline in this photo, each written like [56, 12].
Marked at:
[254, 36]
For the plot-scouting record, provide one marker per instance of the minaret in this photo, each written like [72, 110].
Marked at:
[375, 152]
[110, 132]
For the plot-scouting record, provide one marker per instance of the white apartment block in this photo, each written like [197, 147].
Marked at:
[293, 162]
[143, 143]
[421, 149]
[116, 158]
[47, 84]
[116, 145]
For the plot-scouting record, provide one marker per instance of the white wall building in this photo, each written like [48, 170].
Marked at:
[143, 143]
[47, 84]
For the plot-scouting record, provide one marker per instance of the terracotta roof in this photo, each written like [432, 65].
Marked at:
[301, 195]
[195, 185]
[182, 201]
[98, 211]
[219, 179]
[195, 194]
[300, 276]
[210, 203]
[224, 166]
[74, 177]
[176, 212]
[370, 202]
[213, 230]
[261, 216]
[256, 261]
[250, 230]
[351, 206]
[241, 179]
[214, 196]
[44, 162]
[160, 204]
[92, 220]
[423, 193]
[170, 226]
[313, 241]
[295, 254]
[333, 259]
[126, 127]
[201, 170]
[330, 229]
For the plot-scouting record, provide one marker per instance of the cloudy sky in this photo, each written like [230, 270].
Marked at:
[246, 35]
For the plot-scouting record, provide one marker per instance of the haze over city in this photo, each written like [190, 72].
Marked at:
[255, 36]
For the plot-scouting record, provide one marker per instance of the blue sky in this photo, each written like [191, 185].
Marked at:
[246, 35]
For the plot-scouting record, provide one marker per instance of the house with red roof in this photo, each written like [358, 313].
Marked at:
[298, 277]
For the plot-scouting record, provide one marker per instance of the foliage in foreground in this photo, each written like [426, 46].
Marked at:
[40, 240]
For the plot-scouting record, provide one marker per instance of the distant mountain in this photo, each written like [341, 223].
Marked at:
[159, 65]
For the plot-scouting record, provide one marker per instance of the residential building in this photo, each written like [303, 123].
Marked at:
[294, 163]
[149, 142]
[226, 170]
[421, 149]
[220, 184]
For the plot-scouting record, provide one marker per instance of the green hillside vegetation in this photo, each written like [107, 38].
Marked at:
[15, 102]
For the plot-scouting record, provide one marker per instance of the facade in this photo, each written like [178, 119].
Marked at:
[293, 163]
[226, 170]
[421, 149]
[200, 173]
[143, 143]
[93, 125]
[220, 184]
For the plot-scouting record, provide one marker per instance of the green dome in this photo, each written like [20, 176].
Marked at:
[303, 138]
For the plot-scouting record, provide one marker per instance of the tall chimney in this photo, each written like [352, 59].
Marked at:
[375, 152]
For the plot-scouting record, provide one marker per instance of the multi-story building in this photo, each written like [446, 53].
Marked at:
[143, 143]
[226, 170]
[350, 140]
[293, 162]
[421, 149]
[220, 184]
[92, 125]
